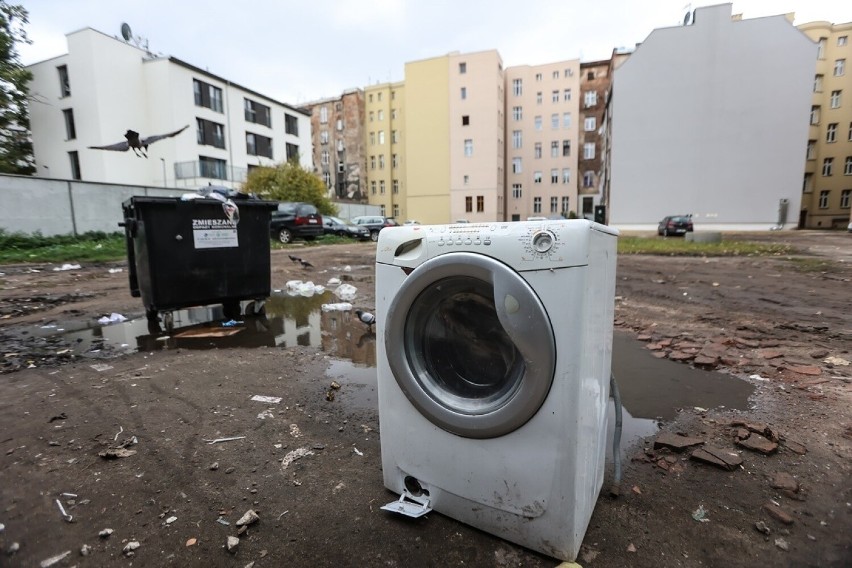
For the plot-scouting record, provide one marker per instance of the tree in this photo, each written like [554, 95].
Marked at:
[289, 182]
[16, 147]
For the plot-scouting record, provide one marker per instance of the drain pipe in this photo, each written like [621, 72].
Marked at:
[615, 490]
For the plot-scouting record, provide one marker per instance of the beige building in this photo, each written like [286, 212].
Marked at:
[595, 81]
[827, 186]
[383, 136]
[542, 114]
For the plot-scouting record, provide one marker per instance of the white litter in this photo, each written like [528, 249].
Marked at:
[294, 455]
[358, 452]
[338, 307]
[266, 414]
[306, 289]
[267, 399]
[54, 559]
[67, 267]
[115, 270]
[758, 378]
[101, 367]
[333, 282]
[838, 361]
[346, 292]
[112, 318]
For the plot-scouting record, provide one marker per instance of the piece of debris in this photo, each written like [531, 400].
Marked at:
[232, 544]
[725, 459]
[267, 399]
[101, 367]
[675, 442]
[758, 443]
[112, 318]
[266, 414]
[214, 466]
[357, 451]
[293, 456]
[222, 521]
[335, 385]
[115, 453]
[795, 447]
[248, 518]
[329, 395]
[338, 488]
[105, 533]
[778, 513]
[810, 370]
[836, 361]
[130, 547]
[218, 440]
[782, 544]
[762, 527]
[170, 520]
[54, 559]
[191, 542]
[700, 514]
[68, 518]
[631, 548]
[60, 416]
[636, 490]
[67, 266]
[785, 481]
[13, 548]
[85, 550]
[758, 428]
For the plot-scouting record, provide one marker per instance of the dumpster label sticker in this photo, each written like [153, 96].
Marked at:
[214, 233]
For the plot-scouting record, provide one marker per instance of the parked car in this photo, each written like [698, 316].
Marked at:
[337, 226]
[294, 220]
[374, 224]
[675, 225]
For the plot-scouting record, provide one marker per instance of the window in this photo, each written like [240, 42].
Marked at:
[395, 186]
[538, 98]
[821, 48]
[70, 130]
[370, 97]
[589, 151]
[380, 115]
[372, 162]
[372, 138]
[480, 203]
[468, 147]
[323, 118]
[517, 87]
[554, 176]
[394, 161]
[258, 113]
[566, 148]
[292, 151]
[462, 67]
[396, 210]
[839, 67]
[207, 95]
[844, 198]
[464, 93]
[554, 149]
[381, 137]
[210, 133]
[818, 83]
[554, 204]
[536, 204]
[537, 150]
[589, 124]
[341, 167]
[465, 120]
[850, 131]
[213, 168]
[569, 72]
[590, 98]
[826, 166]
[64, 85]
[326, 179]
[537, 122]
[466, 179]
[566, 120]
[842, 40]
[517, 191]
[811, 154]
[831, 133]
[823, 199]
[835, 99]
[324, 137]
[324, 157]
[538, 77]
[554, 121]
[536, 177]
[372, 116]
[589, 179]
[555, 74]
[566, 175]
[393, 114]
[565, 205]
[517, 113]
[847, 166]
[381, 161]
[291, 124]
[590, 75]
[373, 187]
[815, 114]
[74, 158]
[516, 165]
[566, 94]
[468, 204]
[807, 183]
[517, 139]
[257, 145]
[381, 187]
[554, 96]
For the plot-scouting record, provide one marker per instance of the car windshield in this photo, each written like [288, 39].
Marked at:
[680, 219]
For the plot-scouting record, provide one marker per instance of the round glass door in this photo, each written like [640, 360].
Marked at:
[470, 345]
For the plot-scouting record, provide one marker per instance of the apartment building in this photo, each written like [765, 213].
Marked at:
[595, 80]
[827, 184]
[542, 115]
[383, 130]
[105, 86]
[337, 126]
[709, 119]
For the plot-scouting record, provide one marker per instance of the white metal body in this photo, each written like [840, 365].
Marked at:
[537, 484]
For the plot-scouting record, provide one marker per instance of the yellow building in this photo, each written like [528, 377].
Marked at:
[827, 187]
[383, 129]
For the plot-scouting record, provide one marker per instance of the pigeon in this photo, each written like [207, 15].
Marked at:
[306, 264]
[367, 318]
[294, 258]
[139, 145]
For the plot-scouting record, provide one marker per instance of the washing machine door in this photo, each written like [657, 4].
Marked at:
[471, 345]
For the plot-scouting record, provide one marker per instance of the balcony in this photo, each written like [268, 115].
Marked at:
[209, 170]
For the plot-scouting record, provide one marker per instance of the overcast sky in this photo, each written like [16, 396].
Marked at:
[299, 51]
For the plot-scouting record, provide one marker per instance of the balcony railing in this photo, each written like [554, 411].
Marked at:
[209, 171]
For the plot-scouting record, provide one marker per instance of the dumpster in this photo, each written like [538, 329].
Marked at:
[184, 253]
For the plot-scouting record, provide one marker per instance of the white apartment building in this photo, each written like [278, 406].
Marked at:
[105, 86]
[711, 119]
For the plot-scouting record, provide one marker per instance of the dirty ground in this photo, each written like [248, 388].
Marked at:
[94, 436]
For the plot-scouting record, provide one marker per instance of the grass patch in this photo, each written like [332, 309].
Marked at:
[804, 264]
[89, 247]
[682, 247]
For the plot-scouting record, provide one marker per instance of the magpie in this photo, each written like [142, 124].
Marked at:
[367, 318]
[306, 264]
[139, 145]
[294, 258]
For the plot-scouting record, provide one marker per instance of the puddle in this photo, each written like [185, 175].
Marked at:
[358, 383]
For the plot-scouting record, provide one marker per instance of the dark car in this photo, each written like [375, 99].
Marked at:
[295, 221]
[374, 224]
[337, 226]
[675, 225]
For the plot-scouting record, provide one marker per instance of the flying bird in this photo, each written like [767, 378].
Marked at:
[294, 258]
[139, 145]
[367, 318]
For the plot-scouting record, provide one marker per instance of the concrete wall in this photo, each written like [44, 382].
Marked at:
[711, 119]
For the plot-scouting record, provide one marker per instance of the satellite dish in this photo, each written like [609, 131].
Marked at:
[126, 33]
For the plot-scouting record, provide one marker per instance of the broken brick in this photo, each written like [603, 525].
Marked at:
[675, 442]
[810, 370]
[783, 480]
[778, 513]
[725, 459]
[758, 443]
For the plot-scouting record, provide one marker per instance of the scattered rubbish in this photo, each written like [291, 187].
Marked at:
[115, 270]
[2, 527]
[338, 307]
[217, 440]
[230, 470]
[305, 289]
[699, 409]
[762, 527]
[170, 520]
[725, 459]
[329, 395]
[65, 515]
[758, 443]
[120, 430]
[338, 488]
[250, 517]
[54, 559]
[68, 495]
[115, 453]
[266, 414]
[232, 323]
[758, 378]
[631, 548]
[785, 482]
[105, 533]
[267, 399]
[293, 456]
[782, 544]
[333, 282]
[346, 292]
[214, 466]
[13, 548]
[60, 416]
[101, 367]
[191, 542]
[294, 430]
[700, 515]
[130, 547]
[282, 514]
[347, 268]
[358, 452]
[67, 267]
[636, 490]
[232, 544]
[837, 361]
[675, 442]
[85, 550]
[222, 521]
[112, 318]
